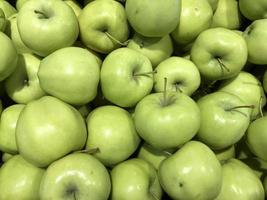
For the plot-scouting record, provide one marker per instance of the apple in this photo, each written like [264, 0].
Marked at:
[135, 179]
[75, 6]
[111, 130]
[8, 60]
[256, 37]
[7, 8]
[227, 15]
[70, 74]
[8, 122]
[6, 156]
[256, 137]
[20, 179]
[152, 155]
[195, 17]
[103, 25]
[155, 19]
[213, 4]
[258, 166]
[3, 21]
[182, 75]
[76, 176]
[219, 53]
[192, 172]
[253, 10]
[247, 87]
[156, 49]
[22, 86]
[167, 120]
[225, 154]
[43, 35]
[224, 119]
[20, 3]
[239, 182]
[126, 77]
[48, 129]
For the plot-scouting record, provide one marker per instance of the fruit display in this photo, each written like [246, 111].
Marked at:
[133, 99]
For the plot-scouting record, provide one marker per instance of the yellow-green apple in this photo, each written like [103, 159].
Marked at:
[219, 53]
[19, 179]
[126, 77]
[155, 19]
[47, 25]
[258, 166]
[253, 10]
[48, 129]
[70, 74]
[3, 21]
[213, 4]
[192, 172]
[20, 3]
[76, 176]
[225, 154]
[6, 156]
[264, 81]
[103, 25]
[75, 6]
[135, 179]
[7, 8]
[23, 86]
[182, 75]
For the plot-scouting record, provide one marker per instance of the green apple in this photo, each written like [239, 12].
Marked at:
[135, 179]
[152, 155]
[258, 165]
[195, 17]
[3, 21]
[227, 15]
[8, 60]
[253, 10]
[156, 49]
[167, 120]
[20, 180]
[48, 129]
[22, 86]
[111, 130]
[247, 87]
[84, 110]
[264, 81]
[70, 74]
[6, 156]
[7, 8]
[256, 36]
[155, 19]
[225, 154]
[182, 74]
[13, 32]
[103, 25]
[76, 176]
[213, 4]
[239, 182]
[257, 137]
[20, 3]
[75, 6]
[192, 172]
[126, 77]
[43, 35]
[224, 119]
[219, 53]
[8, 123]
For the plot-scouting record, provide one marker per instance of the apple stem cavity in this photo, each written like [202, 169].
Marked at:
[236, 107]
[89, 151]
[145, 73]
[116, 40]
[41, 15]
[222, 65]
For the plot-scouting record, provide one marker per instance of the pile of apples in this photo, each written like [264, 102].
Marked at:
[133, 99]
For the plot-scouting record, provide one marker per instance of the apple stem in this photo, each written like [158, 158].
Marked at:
[89, 151]
[165, 92]
[145, 73]
[245, 106]
[116, 40]
[223, 66]
[246, 82]
[260, 109]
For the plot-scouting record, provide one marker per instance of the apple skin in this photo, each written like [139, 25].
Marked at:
[8, 122]
[75, 6]
[48, 129]
[19, 179]
[225, 154]
[120, 82]
[219, 43]
[144, 20]
[135, 179]
[239, 182]
[253, 10]
[221, 126]
[23, 86]
[168, 124]
[3, 21]
[70, 74]
[256, 137]
[258, 166]
[20, 3]
[248, 88]
[195, 17]
[7, 8]
[77, 175]
[116, 138]
[182, 75]
[213, 4]
[192, 172]
[99, 17]
[34, 22]
[256, 37]
[6, 156]
[156, 49]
